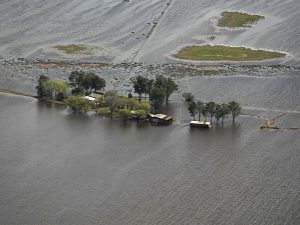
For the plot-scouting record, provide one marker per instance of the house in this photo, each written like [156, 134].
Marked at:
[200, 124]
[160, 119]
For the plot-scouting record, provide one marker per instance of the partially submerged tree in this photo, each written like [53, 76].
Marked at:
[200, 107]
[193, 109]
[78, 104]
[210, 108]
[167, 85]
[221, 111]
[156, 98]
[140, 85]
[235, 109]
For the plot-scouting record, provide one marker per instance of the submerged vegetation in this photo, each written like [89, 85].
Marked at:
[74, 49]
[238, 19]
[227, 53]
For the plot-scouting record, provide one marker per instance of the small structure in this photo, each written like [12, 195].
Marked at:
[160, 119]
[200, 124]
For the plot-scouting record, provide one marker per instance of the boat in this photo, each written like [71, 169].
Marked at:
[200, 124]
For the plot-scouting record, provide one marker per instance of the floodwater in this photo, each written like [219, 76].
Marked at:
[121, 31]
[61, 168]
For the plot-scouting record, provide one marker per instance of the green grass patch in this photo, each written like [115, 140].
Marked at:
[74, 49]
[238, 19]
[226, 53]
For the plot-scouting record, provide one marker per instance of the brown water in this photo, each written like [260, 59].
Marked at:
[60, 168]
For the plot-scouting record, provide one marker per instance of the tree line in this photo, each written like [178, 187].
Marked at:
[211, 109]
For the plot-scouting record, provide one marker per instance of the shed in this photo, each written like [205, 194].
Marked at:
[160, 118]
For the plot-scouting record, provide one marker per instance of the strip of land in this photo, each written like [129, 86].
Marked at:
[74, 49]
[238, 19]
[225, 53]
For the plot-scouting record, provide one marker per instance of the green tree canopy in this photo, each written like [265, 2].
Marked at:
[141, 85]
[57, 88]
[157, 96]
[235, 109]
[78, 104]
[210, 108]
[112, 99]
[88, 81]
[167, 85]
[40, 89]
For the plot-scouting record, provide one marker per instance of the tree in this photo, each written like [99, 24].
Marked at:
[57, 88]
[235, 109]
[88, 81]
[141, 114]
[167, 85]
[78, 104]
[204, 112]
[41, 92]
[157, 97]
[200, 107]
[97, 83]
[125, 113]
[221, 111]
[111, 98]
[140, 85]
[193, 109]
[77, 91]
[210, 108]
[188, 96]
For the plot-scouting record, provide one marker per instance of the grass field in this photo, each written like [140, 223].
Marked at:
[226, 53]
[73, 49]
[238, 19]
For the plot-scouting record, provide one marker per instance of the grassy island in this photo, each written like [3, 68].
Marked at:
[73, 49]
[226, 53]
[238, 19]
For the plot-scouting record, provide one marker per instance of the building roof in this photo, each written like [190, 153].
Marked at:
[161, 116]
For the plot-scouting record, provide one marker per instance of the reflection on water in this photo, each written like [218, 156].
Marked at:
[62, 168]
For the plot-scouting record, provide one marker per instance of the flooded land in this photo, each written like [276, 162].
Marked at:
[62, 168]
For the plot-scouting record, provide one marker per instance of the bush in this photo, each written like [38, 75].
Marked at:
[188, 97]
[104, 111]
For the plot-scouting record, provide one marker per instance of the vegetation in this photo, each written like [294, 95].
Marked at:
[41, 91]
[238, 19]
[167, 85]
[235, 109]
[219, 111]
[220, 52]
[120, 106]
[188, 96]
[73, 49]
[158, 90]
[141, 86]
[88, 82]
[78, 104]
[55, 89]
